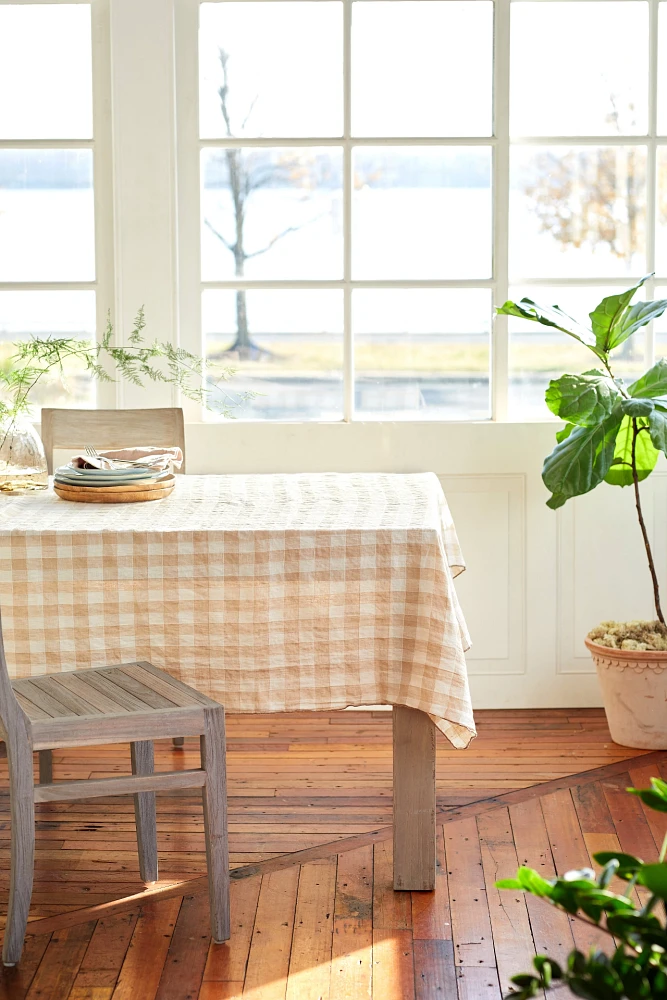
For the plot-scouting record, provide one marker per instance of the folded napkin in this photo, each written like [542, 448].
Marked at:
[160, 459]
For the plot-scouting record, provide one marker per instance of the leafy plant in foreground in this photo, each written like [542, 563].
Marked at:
[612, 433]
[636, 968]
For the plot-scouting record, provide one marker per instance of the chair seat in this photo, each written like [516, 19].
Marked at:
[107, 704]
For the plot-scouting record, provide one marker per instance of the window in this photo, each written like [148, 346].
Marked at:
[49, 233]
[376, 175]
[346, 240]
[588, 173]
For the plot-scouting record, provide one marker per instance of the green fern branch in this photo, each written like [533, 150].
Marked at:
[138, 362]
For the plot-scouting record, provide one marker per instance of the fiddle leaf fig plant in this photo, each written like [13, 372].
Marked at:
[636, 967]
[613, 433]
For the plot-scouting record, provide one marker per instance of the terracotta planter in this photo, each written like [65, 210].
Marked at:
[634, 691]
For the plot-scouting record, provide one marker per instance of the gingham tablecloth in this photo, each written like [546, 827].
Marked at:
[269, 593]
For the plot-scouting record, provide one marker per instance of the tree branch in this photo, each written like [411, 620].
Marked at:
[230, 246]
[285, 232]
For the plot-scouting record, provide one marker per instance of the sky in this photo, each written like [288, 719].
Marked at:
[45, 71]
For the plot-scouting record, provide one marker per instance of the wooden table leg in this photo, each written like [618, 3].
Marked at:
[414, 799]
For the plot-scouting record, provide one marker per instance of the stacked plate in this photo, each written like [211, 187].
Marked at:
[124, 484]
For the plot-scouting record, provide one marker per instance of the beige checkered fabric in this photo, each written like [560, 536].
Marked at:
[270, 593]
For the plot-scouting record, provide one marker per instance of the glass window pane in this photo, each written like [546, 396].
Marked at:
[660, 326]
[421, 212]
[422, 354]
[579, 68]
[272, 213]
[422, 67]
[47, 229]
[286, 346]
[538, 354]
[662, 69]
[45, 71]
[57, 314]
[578, 211]
[661, 220]
[283, 64]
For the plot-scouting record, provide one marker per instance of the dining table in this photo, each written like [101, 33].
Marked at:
[269, 593]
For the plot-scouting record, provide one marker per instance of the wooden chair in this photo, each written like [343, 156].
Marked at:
[111, 429]
[62, 428]
[133, 702]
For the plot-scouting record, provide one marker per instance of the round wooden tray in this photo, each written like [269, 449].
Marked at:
[132, 493]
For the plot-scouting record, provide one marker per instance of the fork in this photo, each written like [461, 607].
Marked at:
[116, 463]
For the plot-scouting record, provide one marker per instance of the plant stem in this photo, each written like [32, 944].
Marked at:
[642, 525]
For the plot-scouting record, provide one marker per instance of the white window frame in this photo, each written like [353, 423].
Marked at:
[103, 283]
[146, 150]
[190, 145]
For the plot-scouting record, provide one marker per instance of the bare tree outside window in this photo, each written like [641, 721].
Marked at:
[596, 196]
[245, 172]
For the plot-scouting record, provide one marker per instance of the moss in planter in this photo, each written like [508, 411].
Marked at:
[630, 635]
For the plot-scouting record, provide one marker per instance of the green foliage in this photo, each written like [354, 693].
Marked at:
[636, 968]
[138, 362]
[621, 472]
[616, 432]
[583, 399]
[581, 460]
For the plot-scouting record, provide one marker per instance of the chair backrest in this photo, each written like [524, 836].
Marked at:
[112, 429]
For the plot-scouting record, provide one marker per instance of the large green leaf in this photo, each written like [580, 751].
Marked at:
[652, 384]
[654, 877]
[620, 473]
[657, 423]
[552, 316]
[607, 319]
[582, 399]
[655, 797]
[564, 432]
[637, 407]
[635, 318]
[580, 462]
[628, 864]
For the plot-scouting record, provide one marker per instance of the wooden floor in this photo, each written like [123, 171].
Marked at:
[313, 912]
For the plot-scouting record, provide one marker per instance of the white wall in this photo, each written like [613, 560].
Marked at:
[537, 580]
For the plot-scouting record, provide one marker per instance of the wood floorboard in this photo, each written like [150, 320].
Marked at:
[314, 914]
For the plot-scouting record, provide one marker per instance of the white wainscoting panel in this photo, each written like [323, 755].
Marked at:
[490, 520]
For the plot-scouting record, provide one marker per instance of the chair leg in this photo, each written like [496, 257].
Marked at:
[215, 820]
[178, 741]
[22, 849]
[144, 812]
[45, 767]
